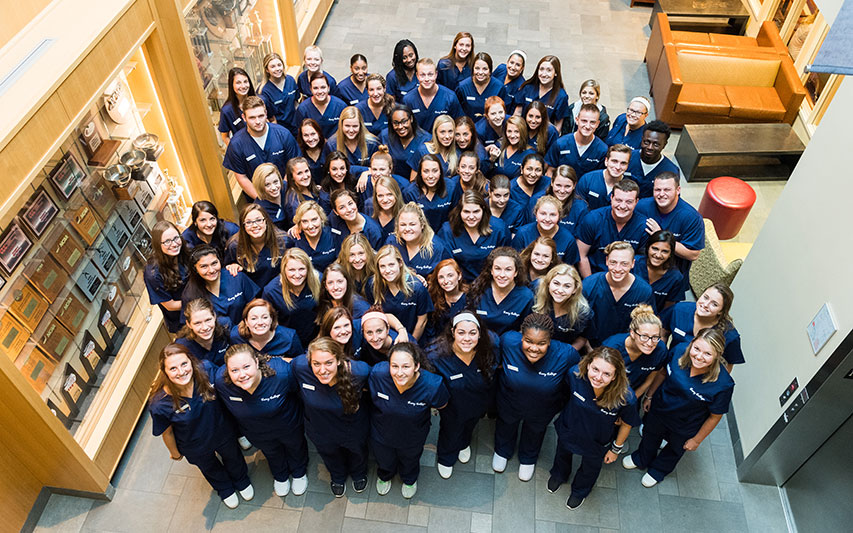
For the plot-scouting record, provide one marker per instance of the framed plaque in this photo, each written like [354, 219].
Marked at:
[66, 250]
[128, 268]
[55, 340]
[39, 212]
[129, 213]
[46, 276]
[84, 221]
[61, 411]
[100, 196]
[13, 336]
[14, 245]
[109, 325]
[92, 356]
[117, 232]
[27, 305]
[36, 367]
[90, 281]
[114, 296]
[67, 175]
[74, 388]
[143, 196]
[142, 242]
[90, 136]
[104, 256]
[72, 312]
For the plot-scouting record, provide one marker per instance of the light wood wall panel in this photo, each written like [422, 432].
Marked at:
[16, 15]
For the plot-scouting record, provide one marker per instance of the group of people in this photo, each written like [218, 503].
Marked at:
[404, 246]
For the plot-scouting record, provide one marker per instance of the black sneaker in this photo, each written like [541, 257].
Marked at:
[338, 489]
[553, 484]
[574, 502]
[359, 485]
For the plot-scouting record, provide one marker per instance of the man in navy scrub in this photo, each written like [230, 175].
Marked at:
[648, 161]
[595, 187]
[667, 210]
[612, 295]
[430, 99]
[609, 224]
[260, 142]
[581, 150]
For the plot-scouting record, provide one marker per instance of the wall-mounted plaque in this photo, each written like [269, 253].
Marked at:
[129, 213]
[39, 212]
[117, 232]
[37, 367]
[128, 268]
[55, 340]
[100, 195]
[27, 305]
[65, 249]
[13, 336]
[46, 276]
[74, 388]
[67, 175]
[14, 245]
[84, 221]
[72, 312]
[142, 242]
[143, 196]
[90, 281]
[104, 256]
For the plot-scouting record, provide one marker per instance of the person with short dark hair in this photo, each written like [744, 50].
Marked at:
[648, 161]
[595, 187]
[581, 150]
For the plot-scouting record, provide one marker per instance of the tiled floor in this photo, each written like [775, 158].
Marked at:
[601, 38]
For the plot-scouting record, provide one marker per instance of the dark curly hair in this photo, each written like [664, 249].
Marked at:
[350, 395]
[484, 353]
[538, 321]
[484, 280]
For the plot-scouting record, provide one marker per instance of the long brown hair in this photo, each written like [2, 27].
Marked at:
[405, 280]
[247, 257]
[201, 304]
[452, 55]
[483, 353]
[357, 276]
[325, 302]
[347, 390]
[478, 182]
[615, 394]
[541, 132]
[201, 381]
[435, 290]
[484, 280]
[169, 266]
[556, 85]
[528, 252]
[457, 226]
[243, 326]
[717, 340]
[328, 322]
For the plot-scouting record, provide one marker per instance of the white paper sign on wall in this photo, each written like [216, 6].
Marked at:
[821, 328]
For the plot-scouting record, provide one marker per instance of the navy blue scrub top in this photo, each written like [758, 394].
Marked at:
[552, 136]
[639, 369]
[326, 251]
[593, 189]
[328, 119]
[318, 166]
[510, 166]
[507, 315]
[587, 428]
[565, 331]
[272, 410]
[510, 88]
[439, 320]
[276, 213]
[486, 134]
[436, 210]
[667, 288]
[284, 343]
[325, 421]
[567, 247]
[402, 420]
[371, 229]
[265, 269]
[362, 350]
[244, 155]
[443, 103]
[525, 201]
[420, 263]
[305, 85]
[533, 390]
[470, 393]
[564, 151]
[398, 90]
[612, 317]
[598, 229]
[450, 76]
[375, 125]
[215, 355]
[634, 138]
[472, 101]
[577, 212]
[556, 111]
[231, 120]
[300, 317]
[191, 239]
[282, 103]
[647, 181]
[685, 223]
[234, 293]
[402, 155]
[349, 93]
[678, 320]
[684, 403]
[471, 255]
[157, 293]
[355, 158]
[406, 309]
[199, 426]
[513, 215]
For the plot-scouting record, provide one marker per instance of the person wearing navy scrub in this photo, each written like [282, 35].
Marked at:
[511, 74]
[185, 411]
[560, 296]
[270, 188]
[547, 215]
[511, 213]
[227, 292]
[404, 137]
[447, 290]
[313, 147]
[312, 59]
[683, 404]
[434, 193]
[529, 186]
[402, 78]
[418, 245]
[614, 294]
[547, 87]
[648, 161]
[294, 294]
[315, 238]
[581, 150]
[459, 63]
[403, 392]
[602, 226]
[573, 208]
[260, 393]
[353, 89]
[259, 329]
[508, 155]
[338, 290]
[280, 92]
[398, 290]
[257, 248]
[541, 133]
[530, 391]
[353, 138]
[628, 127]
[710, 310]
[346, 218]
[596, 187]
[600, 401]
[490, 128]
[500, 295]
[322, 106]
[430, 100]
[642, 349]
[259, 142]
[204, 337]
[472, 233]
[166, 274]
[240, 87]
[208, 228]
[464, 357]
[373, 337]
[301, 186]
[657, 267]
[330, 386]
[472, 92]
[376, 109]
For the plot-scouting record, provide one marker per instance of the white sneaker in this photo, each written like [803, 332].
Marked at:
[498, 463]
[383, 487]
[444, 471]
[465, 455]
[648, 481]
[525, 472]
[232, 501]
[244, 443]
[663, 444]
[410, 490]
[281, 488]
[248, 493]
[628, 463]
[300, 485]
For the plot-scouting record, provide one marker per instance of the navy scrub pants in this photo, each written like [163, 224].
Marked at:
[586, 475]
[344, 459]
[391, 460]
[287, 455]
[532, 435]
[226, 476]
[454, 435]
[647, 456]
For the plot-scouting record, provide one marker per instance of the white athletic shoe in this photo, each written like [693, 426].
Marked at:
[410, 490]
[465, 455]
[498, 463]
[248, 493]
[383, 487]
[444, 471]
[525, 472]
[244, 443]
[649, 481]
[628, 463]
[300, 485]
[232, 501]
[281, 488]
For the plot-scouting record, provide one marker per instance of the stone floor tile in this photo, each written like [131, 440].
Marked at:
[690, 514]
[64, 514]
[354, 525]
[322, 512]
[763, 507]
[418, 515]
[449, 521]
[132, 511]
[252, 518]
[481, 523]
[697, 477]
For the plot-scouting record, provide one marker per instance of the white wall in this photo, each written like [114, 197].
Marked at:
[802, 258]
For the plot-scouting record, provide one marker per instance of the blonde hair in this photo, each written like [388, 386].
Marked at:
[312, 279]
[447, 153]
[359, 276]
[306, 206]
[363, 135]
[391, 185]
[259, 180]
[618, 245]
[548, 199]
[427, 233]
[643, 315]
[405, 279]
[717, 340]
[269, 59]
[577, 304]
[313, 48]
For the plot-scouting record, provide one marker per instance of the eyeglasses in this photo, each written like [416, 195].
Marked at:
[256, 222]
[635, 113]
[404, 122]
[173, 240]
[647, 338]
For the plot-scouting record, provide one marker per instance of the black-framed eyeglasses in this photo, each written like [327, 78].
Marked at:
[635, 113]
[404, 122]
[173, 240]
[647, 338]
[252, 223]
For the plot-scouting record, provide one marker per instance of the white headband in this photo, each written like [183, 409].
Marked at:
[643, 101]
[519, 52]
[465, 316]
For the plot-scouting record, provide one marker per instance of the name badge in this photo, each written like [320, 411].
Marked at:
[481, 312]
[416, 110]
[579, 396]
[593, 194]
[679, 332]
[470, 98]
[383, 396]
[278, 101]
[278, 214]
[237, 121]
[353, 102]
[307, 386]
[513, 368]
[335, 231]
[250, 157]
[457, 251]
[455, 376]
[235, 399]
[368, 123]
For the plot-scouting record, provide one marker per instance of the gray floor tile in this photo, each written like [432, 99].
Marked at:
[763, 508]
[481, 523]
[697, 477]
[174, 485]
[467, 491]
[131, 511]
[724, 463]
[639, 507]
[669, 485]
[449, 521]
[730, 492]
[418, 515]
[689, 514]
[322, 512]
[389, 508]
[600, 509]
[252, 518]
[197, 507]
[147, 464]
[64, 514]
[262, 480]
[354, 525]
[514, 506]
[356, 507]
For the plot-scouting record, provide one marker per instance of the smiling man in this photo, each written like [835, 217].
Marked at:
[595, 187]
[581, 150]
[649, 161]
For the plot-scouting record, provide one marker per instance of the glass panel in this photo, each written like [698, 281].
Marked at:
[802, 28]
[815, 84]
[782, 13]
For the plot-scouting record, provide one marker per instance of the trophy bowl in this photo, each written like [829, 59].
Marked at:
[118, 175]
[148, 143]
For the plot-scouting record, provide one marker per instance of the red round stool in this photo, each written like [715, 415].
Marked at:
[727, 202]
